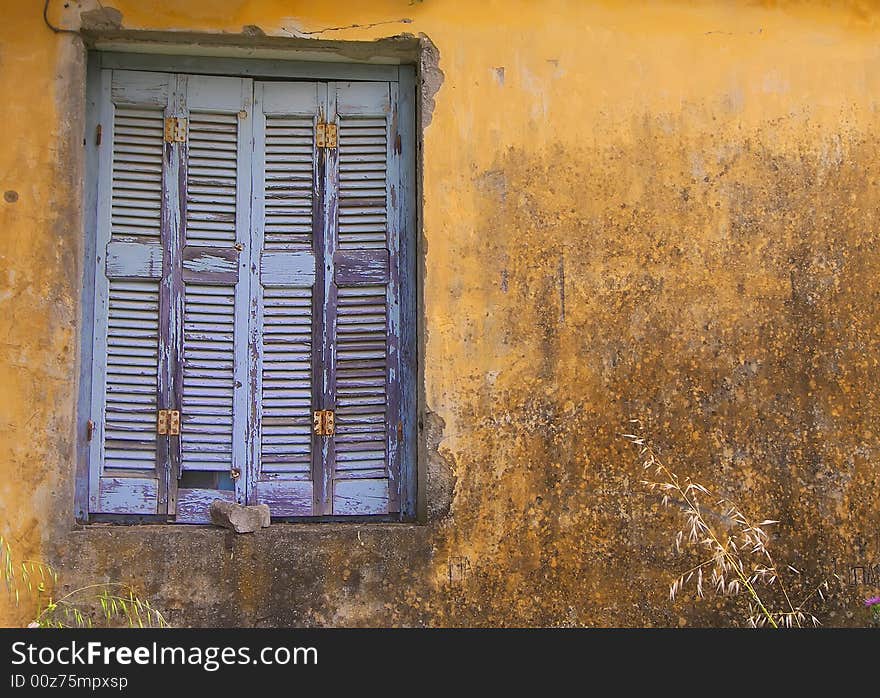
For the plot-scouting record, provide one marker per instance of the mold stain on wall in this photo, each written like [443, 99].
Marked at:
[628, 210]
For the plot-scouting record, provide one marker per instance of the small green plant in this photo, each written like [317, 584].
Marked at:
[110, 603]
[734, 555]
[873, 606]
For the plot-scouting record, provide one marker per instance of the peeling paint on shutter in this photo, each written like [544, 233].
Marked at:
[136, 203]
[287, 375]
[208, 377]
[289, 180]
[365, 255]
[209, 311]
[247, 278]
[211, 179]
[283, 321]
[363, 168]
[286, 400]
[132, 384]
[213, 357]
[125, 465]
[361, 390]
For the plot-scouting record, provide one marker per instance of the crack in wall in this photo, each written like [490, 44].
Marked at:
[316, 32]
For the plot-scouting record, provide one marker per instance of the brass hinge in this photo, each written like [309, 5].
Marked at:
[175, 129]
[325, 135]
[168, 422]
[324, 422]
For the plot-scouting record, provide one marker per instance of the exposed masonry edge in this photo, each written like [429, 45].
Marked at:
[431, 77]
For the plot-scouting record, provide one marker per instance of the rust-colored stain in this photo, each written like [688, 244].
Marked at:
[665, 211]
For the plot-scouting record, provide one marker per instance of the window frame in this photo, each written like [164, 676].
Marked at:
[260, 69]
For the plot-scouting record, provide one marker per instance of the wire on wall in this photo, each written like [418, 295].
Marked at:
[57, 30]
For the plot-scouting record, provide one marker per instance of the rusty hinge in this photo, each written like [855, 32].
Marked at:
[324, 422]
[325, 135]
[175, 129]
[98, 134]
[90, 430]
[168, 422]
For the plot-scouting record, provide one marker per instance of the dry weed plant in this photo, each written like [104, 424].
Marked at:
[119, 604]
[737, 560]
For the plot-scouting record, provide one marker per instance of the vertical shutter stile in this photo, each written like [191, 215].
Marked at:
[126, 462]
[326, 306]
[171, 300]
[394, 367]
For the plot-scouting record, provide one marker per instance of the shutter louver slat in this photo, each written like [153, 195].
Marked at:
[208, 378]
[130, 412]
[288, 182]
[286, 433]
[362, 183]
[211, 179]
[136, 193]
[361, 400]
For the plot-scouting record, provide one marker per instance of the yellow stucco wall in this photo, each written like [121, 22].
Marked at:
[663, 210]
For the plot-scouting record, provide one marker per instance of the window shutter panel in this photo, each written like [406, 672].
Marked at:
[215, 249]
[285, 465]
[363, 308]
[247, 278]
[127, 462]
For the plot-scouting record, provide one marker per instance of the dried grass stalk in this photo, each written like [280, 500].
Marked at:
[735, 555]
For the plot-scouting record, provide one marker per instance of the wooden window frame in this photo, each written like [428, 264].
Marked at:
[404, 75]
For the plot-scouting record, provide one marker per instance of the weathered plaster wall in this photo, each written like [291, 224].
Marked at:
[629, 210]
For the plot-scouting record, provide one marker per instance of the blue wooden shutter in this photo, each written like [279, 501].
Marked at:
[212, 364]
[127, 461]
[362, 314]
[286, 470]
[246, 278]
